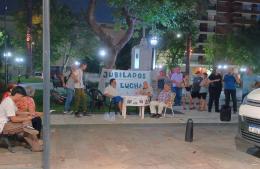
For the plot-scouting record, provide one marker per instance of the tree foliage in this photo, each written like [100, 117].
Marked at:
[69, 36]
[157, 15]
[240, 47]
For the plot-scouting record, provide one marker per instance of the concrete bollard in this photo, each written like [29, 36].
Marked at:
[189, 131]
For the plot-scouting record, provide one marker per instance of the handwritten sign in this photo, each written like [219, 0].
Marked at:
[128, 81]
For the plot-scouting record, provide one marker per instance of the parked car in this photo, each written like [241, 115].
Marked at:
[249, 122]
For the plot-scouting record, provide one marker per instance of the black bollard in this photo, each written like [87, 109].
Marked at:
[189, 131]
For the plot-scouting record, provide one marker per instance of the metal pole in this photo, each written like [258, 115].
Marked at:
[46, 84]
[5, 57]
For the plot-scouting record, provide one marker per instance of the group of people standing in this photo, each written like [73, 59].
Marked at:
[195, 91]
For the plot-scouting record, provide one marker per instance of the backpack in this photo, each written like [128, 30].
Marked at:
[196, 84]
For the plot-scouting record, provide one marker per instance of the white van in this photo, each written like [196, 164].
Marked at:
[249, 122]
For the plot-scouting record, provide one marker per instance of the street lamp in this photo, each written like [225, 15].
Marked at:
[77, 63]
[154, 42]
[178, 35]
[19, 61]
[6, 56]
[102, 54]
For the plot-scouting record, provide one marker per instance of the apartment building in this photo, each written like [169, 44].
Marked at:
[234, 14]
[221, 18]
[207, 26]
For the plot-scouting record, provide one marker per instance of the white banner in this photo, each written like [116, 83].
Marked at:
[128, 81]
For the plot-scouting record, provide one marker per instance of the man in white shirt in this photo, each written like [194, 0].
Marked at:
[80, 96]
[12, 124]
[177, 78]
[110, 91]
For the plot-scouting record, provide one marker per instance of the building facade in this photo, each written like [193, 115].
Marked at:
[221, 18]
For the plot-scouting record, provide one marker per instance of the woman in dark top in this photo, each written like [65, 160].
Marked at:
[215, 89]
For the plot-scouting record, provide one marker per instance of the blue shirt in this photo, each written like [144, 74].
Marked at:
[229, 82]
[248, 82]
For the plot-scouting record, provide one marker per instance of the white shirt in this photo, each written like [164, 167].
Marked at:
[110, 91]
[177, 77]
[7, 109]
[79, 75]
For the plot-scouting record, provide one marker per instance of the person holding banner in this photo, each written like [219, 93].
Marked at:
[111, 92]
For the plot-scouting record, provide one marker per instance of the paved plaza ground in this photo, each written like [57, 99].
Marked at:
[137, 146]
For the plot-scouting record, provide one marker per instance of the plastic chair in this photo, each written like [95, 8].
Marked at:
[114, 104]
[170, 105]
[97, 99]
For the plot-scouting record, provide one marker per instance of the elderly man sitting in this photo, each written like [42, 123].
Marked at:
[146, 90]
[163, 99]
[110, 91]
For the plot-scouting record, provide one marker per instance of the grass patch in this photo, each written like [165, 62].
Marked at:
[27, 80]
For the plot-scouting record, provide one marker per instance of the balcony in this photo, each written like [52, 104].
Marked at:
[223, 19]
[242, 20]
[222, 29]
[251, 1]
[247, 9]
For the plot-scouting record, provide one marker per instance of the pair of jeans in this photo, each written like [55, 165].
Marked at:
[70, 94]
[232, 93]
[80, 100]
[178, 92]
[214, 95]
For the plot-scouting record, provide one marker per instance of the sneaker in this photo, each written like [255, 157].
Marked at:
[71, 112]
[78, 115]
[158, 115]
[66, 112]
[153, 115]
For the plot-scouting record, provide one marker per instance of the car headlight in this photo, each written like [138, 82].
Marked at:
[245, 101]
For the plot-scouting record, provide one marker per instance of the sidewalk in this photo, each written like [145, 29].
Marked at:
[197, 117]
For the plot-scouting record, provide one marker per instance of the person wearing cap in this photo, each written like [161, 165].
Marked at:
[11, 124]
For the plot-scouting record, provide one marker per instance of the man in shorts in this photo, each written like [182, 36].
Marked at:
[195, 90]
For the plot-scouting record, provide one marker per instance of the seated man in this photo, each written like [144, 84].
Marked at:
[146, 90]
[110, 91]
[12, 124]
[164, 98]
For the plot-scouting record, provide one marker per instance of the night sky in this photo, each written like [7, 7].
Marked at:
[103, 12]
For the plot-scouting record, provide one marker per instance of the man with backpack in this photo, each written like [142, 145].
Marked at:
[69, 84]
[195, 90]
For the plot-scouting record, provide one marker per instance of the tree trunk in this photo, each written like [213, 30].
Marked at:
[29, 67]
[188, 54]
[107, 38]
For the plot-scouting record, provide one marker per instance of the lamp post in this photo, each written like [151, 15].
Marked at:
[154, 42]
[19, 61]
[102, 54]
[7, 55]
